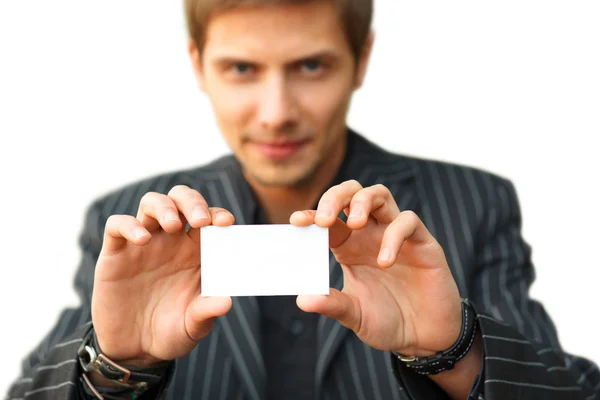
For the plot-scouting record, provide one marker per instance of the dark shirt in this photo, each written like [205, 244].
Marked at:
[289, 335]
[289, 343]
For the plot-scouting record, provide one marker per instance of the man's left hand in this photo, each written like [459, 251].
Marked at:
[399, 293]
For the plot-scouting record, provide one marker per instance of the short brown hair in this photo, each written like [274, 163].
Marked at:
[356, 16]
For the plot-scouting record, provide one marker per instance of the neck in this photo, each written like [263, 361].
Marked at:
[279, 203]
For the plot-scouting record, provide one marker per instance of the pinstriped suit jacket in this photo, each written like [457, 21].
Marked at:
[473, 214]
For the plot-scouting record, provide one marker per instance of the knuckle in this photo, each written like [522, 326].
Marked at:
[368, 194]
[329, 193]
[178, 189]
[116, 220]
[381, 188]
[354, 184]
[112, 220]
[410, 216]
[148, 197]
[343, 189]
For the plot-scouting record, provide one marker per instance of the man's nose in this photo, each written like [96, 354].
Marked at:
[277, 109]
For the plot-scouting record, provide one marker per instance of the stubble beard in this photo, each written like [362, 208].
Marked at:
[297, 181]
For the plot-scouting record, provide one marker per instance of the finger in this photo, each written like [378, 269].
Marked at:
[407, 226]
[338, 232]
[337, 305]
[120, 229]
[334, 201]
[201, 313]
[159, 211]
[191, 204]
[374, 200]
[219, 217]
[303, 218]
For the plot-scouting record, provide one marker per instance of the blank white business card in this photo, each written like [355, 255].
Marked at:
[264, 260]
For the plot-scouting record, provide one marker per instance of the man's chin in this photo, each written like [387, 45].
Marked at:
[282, 179]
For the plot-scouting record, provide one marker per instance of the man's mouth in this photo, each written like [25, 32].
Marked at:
[279, 149]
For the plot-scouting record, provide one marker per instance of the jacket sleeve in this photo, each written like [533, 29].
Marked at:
[522, 356]
[51, 370]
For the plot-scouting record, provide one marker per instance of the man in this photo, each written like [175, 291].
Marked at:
[409, 238]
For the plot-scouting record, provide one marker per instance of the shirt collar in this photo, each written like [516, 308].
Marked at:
[360, 153]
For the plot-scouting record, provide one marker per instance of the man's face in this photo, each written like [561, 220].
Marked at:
[280, 79]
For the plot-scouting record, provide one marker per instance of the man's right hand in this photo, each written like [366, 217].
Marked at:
[146, 305]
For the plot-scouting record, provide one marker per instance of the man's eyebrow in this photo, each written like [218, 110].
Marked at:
[320, 55]
[227, 59]
[230, 59]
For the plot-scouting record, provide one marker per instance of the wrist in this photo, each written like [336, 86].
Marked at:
[101, 374]
[430, 364]
[128, 358]
[147, 365]
[444, 333]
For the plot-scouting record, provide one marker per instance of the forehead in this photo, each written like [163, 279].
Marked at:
[275, 32]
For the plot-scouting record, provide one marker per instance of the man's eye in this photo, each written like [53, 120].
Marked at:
[311, 66]
[241, 68]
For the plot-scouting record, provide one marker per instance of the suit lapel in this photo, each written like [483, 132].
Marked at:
[367, 164]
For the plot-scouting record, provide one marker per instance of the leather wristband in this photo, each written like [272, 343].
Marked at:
[446, 360]
[129, 382]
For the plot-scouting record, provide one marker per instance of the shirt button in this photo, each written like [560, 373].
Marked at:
[297, 327]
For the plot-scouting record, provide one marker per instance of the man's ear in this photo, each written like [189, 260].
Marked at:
[196, 59]
[363, 61]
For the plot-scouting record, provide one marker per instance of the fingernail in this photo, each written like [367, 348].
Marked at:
[356, 211]
[171, 216]
[324, 211]
[139, 232]
[385, 255]
[200, 212]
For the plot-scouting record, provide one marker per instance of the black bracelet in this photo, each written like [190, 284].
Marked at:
[130, 382]
[104, 392]
[446, 360]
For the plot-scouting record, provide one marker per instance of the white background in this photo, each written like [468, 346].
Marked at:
[95, 95]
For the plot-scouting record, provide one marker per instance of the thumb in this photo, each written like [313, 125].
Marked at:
[336, 305]
[201, 315]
